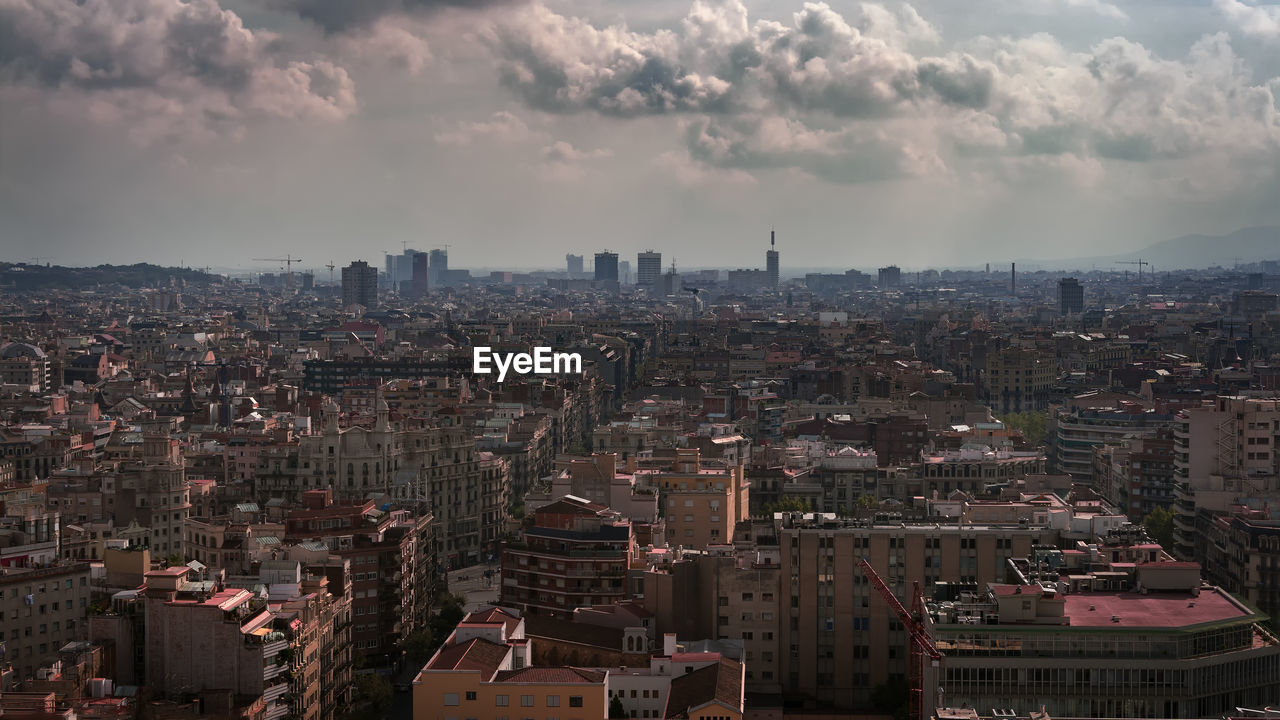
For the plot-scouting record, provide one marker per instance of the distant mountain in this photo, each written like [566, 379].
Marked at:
[22, 276]
[1201, 251]
[1181, 253]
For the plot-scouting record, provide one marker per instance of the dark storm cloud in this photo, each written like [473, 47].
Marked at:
[336, 16]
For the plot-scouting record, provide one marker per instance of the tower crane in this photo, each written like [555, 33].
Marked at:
[288, 261]
[1139, 262]
[330, 266]
[921, 644]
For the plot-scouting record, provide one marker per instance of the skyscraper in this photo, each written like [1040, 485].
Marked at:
[421, 274]
[606, 266]
[438, 271]
[771, 262]
[648, 268]
[575, 265]
[1070, 296]
[360, 284]
[888, 277]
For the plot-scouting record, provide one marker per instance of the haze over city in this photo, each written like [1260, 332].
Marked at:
[939, 133]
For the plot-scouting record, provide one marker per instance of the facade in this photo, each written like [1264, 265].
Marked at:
[1018, 380]
[648, 268]
[701, 502]
[360, 284]
[771, 260]
[1070, 296]
[889, 277]
[1176, 652]
[574, 265]
[1136, 476]
[837, 640]
[575, 554]
[1074, 434]
[1221, 453]
[606, 267]
[25, 365]
[43, 609]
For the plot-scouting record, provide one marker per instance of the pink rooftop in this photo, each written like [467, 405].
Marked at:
[1161, 610]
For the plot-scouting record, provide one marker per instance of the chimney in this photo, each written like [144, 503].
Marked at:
[669, 644]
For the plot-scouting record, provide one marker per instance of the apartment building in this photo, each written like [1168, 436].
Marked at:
[573, 554]
[1075, 433]
[837, 640]
[1018, 380]
[41, 610]
[701, 501]
[1223, 452]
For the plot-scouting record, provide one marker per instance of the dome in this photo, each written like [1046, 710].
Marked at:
[18, 349]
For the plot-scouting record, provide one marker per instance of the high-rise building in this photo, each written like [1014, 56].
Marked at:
[648, 268]
[1070, 296]
[575, 265]
[421, 274]
[606, 268]
[889, 277]
[360, 284]
[438, 269]
[771, 261]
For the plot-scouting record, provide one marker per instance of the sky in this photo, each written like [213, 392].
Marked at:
[930, 134]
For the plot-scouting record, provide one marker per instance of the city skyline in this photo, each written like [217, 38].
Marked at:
[524, 130]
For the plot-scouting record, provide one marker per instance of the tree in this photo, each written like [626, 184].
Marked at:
[868, 501]
[616, 711]
[1032, 424]
[450, 614]
[375, 692]
[788, 504]
[1159, 525]
[892, 697]
[418, 646]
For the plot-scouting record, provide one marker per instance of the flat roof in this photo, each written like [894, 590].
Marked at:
[1156, 610]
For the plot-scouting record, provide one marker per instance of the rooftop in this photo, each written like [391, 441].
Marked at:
[1163, 610]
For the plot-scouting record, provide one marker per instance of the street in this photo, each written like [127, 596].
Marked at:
[480, 592]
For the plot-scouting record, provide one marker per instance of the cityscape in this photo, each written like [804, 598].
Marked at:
[668, 360]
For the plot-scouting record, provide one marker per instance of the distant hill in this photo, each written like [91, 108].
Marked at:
[1188, 252]
[21, 276]
[1201, 251]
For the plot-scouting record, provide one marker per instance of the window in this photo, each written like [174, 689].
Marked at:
[501, 700]
[526, 701]
[471, 695]
[575, 701]
[553, 701]
[451, 698]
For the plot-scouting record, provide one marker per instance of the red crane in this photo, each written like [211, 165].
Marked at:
[921, 644]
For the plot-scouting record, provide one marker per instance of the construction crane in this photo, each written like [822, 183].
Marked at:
[920, 642]
[288, 261]
[330, 266]
[1139, 262]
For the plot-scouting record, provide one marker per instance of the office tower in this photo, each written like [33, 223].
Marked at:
[648, 268]
[360, 284]
[389, 275]
[888, 277]
[771, 262]
[421, 274]
[1070, 296]
[624, 271]
[438, 268]
[606, 266]
[575, 265]
[1013, 278]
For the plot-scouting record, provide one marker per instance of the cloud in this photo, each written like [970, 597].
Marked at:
[1251, 19]
[502, 127]
[720, 64]
[167, 68]
[388, 41]
[564, 152]
[337, 16]
[855, 98]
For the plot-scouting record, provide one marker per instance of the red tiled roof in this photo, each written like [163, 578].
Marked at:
[493, 616]
[551, 675]
[722, 681]
[475, 654]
